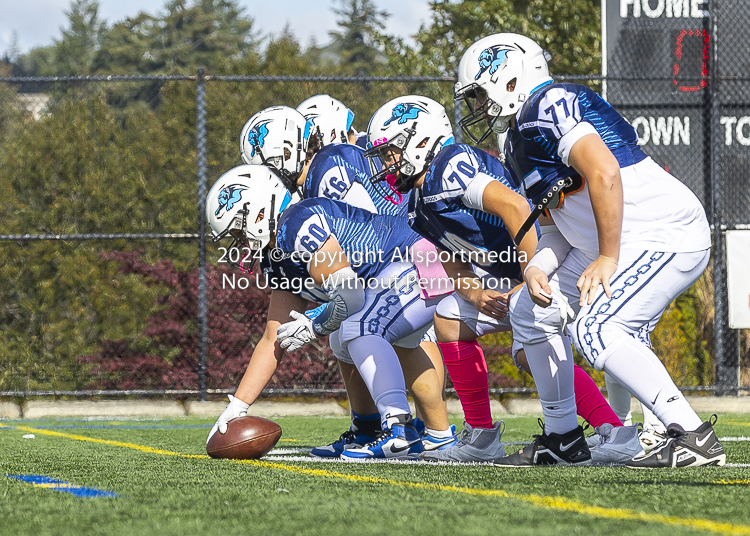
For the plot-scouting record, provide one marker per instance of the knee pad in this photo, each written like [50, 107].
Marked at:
[334, 341]
[594, 343]
[531, 323]
[449, 308]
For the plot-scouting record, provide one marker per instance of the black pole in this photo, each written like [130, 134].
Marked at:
[202, 286]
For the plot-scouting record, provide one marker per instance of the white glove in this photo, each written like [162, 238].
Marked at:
[235, 408]
[297, 333]
[567, 314]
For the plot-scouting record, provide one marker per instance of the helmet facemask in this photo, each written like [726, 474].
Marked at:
[404, 136]
[277, 164]
[392, 173]
[249, 247]
[483, 111]
[506, 68]
[244, 206]
[277, 138]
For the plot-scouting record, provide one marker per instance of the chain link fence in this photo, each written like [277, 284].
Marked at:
[110, 288]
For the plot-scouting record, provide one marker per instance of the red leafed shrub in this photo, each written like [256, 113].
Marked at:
[166, 355]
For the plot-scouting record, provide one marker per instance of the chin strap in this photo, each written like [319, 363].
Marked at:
[272, 218]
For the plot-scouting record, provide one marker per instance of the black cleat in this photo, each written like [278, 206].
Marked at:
[569, 448]
[684, 449]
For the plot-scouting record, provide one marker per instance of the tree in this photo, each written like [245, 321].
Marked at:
[356, 42]
[74, 53]
[210, 33]
[166, 356]
[569, 31]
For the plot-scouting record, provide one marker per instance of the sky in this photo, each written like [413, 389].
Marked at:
[37, 22]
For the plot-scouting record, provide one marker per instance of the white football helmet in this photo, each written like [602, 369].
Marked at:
[277, 137]
[246, 203]
[330, 118]
[414, 126]
[500, 72]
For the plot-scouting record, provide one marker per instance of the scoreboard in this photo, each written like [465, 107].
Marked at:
[658, 61]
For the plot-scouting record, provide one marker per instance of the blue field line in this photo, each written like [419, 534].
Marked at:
[46, 482]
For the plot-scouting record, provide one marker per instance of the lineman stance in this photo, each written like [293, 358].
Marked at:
[466, 203]
[330, 167]
[631, 237]
[374, 304]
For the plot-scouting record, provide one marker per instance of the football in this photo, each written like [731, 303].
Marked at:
[247, 438]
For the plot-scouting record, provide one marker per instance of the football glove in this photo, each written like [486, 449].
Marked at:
[235, 408]
[297, 333]
[567, 314]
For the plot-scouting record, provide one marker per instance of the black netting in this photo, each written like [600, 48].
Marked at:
[100, 207]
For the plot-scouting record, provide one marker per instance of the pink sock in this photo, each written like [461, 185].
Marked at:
[468, 372]
[590, 402]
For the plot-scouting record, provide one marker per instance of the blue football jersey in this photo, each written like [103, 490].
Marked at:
[371, 241]
[361, 140]
[336, 168]
[532, 147]
[438, 213]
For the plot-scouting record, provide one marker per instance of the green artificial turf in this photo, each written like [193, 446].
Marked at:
[161, 490]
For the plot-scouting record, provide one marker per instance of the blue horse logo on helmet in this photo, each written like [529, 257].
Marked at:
[228, 196]
[256, 137]
[492, 58]
[405, 111]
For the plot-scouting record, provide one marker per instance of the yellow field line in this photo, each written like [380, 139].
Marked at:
[734, 423]
[547, 502]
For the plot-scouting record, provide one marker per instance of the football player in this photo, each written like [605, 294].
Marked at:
[465, 202]
[629, 237]
[326, 251]
[333, 168]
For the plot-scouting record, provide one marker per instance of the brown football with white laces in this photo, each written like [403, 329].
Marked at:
[247, 438]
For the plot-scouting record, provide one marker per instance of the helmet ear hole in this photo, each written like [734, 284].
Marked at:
[287, 154]
[422, 144]
[511, 87]
[261, 215]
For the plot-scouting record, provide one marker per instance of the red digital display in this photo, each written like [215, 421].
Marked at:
[691, 50]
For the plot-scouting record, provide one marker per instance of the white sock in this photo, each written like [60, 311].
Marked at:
[439, 433]
[551, 364]
[380, 369]
[652, 422]
[619, 398]
[557, 415]
[636, 367]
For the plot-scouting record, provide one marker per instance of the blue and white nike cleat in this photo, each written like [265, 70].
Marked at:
[432, 443]
[400, 441]
[349, 439]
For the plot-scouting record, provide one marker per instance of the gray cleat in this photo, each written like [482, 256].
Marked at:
[614, 444]
[476, 445]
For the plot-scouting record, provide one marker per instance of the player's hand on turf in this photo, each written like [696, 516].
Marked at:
[598, 273]
[538, 284]
[235, 408]
[490, 302]
[297, 333]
